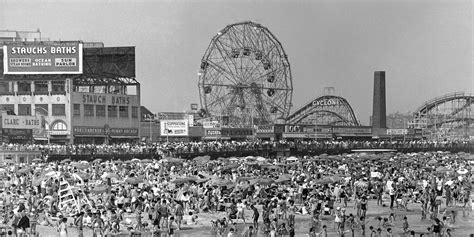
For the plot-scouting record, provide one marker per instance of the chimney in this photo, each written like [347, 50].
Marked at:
[379, 116]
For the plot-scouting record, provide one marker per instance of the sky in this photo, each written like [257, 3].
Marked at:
[425, 46]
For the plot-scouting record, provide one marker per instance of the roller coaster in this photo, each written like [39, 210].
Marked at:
[447, 116]
[325, 110]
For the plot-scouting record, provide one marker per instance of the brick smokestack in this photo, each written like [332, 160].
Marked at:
[379, 116]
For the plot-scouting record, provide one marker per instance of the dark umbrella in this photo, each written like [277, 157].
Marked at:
[24, 222]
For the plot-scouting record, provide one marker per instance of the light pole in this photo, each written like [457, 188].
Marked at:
[166, 126]
[150, 118]
[46, 113]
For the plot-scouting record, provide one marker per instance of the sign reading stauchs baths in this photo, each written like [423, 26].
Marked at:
[42, 58]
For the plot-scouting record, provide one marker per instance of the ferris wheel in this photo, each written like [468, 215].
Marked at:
[245, 75]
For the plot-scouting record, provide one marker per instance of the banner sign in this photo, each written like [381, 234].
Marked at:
[397, 131]
[174, 127]
[213, 133]
[265, 129]
[327, 102]
[20, 122]
[105, 131]
[355, 130]
[42, 58]
[211, 124]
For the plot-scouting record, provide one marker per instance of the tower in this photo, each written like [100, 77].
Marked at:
[379, 116]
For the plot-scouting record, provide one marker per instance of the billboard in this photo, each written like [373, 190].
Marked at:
[42, 58]
[174, 127]
[21, 122]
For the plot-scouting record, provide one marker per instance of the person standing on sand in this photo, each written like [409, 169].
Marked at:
[179, 212]
[62, 228]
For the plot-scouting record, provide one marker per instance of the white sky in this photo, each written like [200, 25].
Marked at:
[425, 46]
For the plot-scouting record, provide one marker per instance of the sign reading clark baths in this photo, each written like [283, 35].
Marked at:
[20, 122]
[42, 58]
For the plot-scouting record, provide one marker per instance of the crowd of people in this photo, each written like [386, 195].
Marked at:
[179, 148]
[240, 196]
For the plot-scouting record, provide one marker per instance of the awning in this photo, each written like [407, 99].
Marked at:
[352, 135]
[129, 137]
[216, 138]
[85, 135]
[40, 138]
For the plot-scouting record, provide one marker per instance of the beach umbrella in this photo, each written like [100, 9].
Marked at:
[135, 160]
[184, 180]
[118, 162]
[219, 182]
[202, 159]
[80, 165]
[132, 180]
[292, 158]
[234, 159]
[250, 158]
[82, 175]
[97, 160]
[443, 169]
[336, 178]
[244, 178]
[265, 181]
[324, 181]
[173, 160]
[260, 159]
[462, 171]
[37, 160]
[111, 176]
[283, 178]
[24, 170]
[230, 166]
[101, 188]
[432, 162]
[37, 181]
[146, 161]
[65, 161]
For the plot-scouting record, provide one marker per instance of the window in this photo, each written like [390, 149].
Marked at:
[58, 87]
[42, 109]
[77, 110]
[112, 110]
[115, 89]
[100, 110]
[123, 111]
[6, 88]
[59, 126]
[89, 110]
[82, 89]
[100, 89]
[134, 112]
[24, 109]
[41, 87]
[59, 110]
[10, 109]
[24, 87]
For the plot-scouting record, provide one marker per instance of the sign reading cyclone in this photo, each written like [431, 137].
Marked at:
[42, 58]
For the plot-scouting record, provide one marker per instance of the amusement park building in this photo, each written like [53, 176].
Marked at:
[68, 92]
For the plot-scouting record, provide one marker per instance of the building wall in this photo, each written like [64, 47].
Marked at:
[15, 99]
